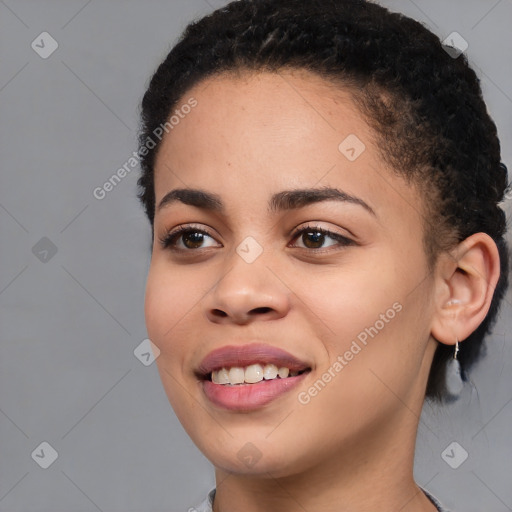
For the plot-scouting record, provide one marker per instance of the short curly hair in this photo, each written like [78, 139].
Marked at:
[424, 105]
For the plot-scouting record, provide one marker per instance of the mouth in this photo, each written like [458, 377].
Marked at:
[244, 378]
[252, 374]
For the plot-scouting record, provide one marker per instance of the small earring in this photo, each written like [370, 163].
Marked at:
[454, 383]
[456, 349]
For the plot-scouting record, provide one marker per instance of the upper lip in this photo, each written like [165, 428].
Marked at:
[245, 355]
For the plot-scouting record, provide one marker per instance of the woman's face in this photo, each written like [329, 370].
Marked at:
[330, 282]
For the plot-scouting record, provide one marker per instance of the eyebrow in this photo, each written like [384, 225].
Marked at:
[285, 200]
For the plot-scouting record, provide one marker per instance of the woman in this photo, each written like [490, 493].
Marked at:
[322, 180]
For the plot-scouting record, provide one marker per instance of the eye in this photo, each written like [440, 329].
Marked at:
[315, 237]
[187, 238]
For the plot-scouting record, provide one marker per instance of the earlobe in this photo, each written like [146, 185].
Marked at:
[465, 281]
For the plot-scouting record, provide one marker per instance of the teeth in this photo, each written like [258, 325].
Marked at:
[236, 375]
[254, 373]
[250, 374]
[270, 371]
[221, 376]
[283, 372]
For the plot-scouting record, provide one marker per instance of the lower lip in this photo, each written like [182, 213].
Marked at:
[247, 397]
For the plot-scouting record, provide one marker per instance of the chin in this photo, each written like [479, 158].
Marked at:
[258, 457]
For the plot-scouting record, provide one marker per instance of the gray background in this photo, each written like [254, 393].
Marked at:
[70, 321]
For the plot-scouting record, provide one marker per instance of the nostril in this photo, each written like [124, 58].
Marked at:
[261, 310]
[219, 313]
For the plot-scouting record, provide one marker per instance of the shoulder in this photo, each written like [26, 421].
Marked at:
[206, 505]
[435, 501]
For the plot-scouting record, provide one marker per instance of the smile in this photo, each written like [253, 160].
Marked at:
[248, 377]
[251, 374]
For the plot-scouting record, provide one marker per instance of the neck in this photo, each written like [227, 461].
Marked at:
[372, 473]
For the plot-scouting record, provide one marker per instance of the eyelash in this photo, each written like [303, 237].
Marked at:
[342, 240]
[169, 239]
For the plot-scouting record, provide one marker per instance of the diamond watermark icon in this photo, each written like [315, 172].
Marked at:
[454, 45]
[454, 455]
[44, 250]
[249, 250]
[249, 455]
[44, 45]
[351, 147]
[45, 455]
[146, 352]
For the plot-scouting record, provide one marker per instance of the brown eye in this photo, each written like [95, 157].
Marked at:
[193, 239]
[187, 239]
[313, 239]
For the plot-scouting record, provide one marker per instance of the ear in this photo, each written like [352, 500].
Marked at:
[465, 279]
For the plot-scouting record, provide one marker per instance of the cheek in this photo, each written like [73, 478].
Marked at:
[370, 318]
[347, 300]
[375, 342]
[168, 300]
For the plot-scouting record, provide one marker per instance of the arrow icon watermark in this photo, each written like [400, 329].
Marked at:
[146, 352]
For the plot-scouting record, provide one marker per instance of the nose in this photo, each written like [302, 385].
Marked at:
[246, 292]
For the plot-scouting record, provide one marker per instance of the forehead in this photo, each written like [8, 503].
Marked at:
[252, 134]
[247, 120]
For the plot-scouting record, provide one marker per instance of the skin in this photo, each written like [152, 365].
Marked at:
[251, 136]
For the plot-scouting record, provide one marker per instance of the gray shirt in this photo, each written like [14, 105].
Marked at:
[207, 504]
